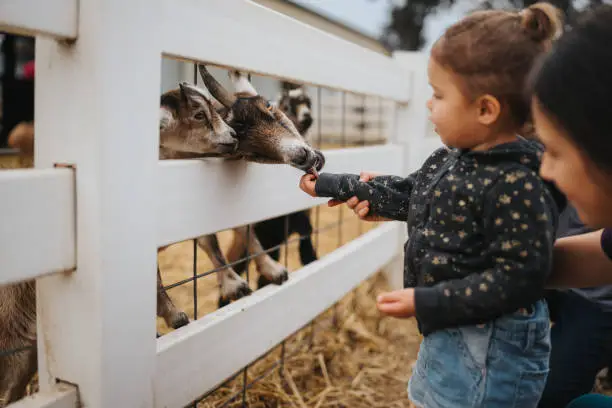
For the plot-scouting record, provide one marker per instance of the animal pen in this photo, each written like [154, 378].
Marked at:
[86, 221]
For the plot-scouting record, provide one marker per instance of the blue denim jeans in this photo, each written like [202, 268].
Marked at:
[500, 364]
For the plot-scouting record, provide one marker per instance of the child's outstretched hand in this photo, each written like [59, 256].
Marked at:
[307, 184]
[361, 208]
[399, 303]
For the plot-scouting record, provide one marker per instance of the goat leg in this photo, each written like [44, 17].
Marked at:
[236, 251]
[173, 317]
[231, 285]
[266, 266]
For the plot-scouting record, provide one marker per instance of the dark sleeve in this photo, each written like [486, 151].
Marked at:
[606, 242]
[388, 195]
[519, 226]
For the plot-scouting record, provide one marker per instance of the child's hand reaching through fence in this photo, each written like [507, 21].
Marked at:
[361, 208]
[399, 303]
[308, 183]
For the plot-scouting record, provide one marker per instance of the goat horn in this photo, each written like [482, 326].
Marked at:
[215, 88]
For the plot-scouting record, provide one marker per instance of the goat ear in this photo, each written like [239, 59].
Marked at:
[191, 91]
[184, 93]
[241, 82]
[215, 88]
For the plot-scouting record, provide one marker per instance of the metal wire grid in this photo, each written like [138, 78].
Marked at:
[278, 364]
[317, 230]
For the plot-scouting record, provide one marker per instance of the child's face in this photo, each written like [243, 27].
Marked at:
[455, 118]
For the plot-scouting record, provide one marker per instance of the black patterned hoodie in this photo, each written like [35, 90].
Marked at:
[481, 227]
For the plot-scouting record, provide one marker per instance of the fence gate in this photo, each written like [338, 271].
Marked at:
[87, 220]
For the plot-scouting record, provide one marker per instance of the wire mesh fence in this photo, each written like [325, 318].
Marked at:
[191, 280]
[328, 229]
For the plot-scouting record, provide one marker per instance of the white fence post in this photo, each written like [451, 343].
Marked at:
[411, 121]
[97, 104]
[410, 131]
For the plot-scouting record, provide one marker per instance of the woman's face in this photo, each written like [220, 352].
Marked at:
[563, 163]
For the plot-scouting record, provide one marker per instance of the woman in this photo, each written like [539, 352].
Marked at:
[572, 109]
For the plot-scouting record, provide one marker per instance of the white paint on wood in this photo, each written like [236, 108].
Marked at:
[37, 234]
[64, 396]
[197, 197]
[97, 107]
[199, 356]
[411, 125]
[263, 41]
[55, 18]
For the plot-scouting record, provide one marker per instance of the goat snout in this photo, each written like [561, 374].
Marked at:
[228, 143]
[302, 156]
[320, 160]
[228, 147]
[306, 121]
[305, 158]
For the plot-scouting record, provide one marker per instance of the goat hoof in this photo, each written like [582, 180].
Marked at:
[240, 291]
[281, 277]
[262, 281]
[243, 290]
[223, 302]
[181, 319]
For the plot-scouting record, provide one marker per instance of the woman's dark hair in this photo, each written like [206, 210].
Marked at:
[573, 85]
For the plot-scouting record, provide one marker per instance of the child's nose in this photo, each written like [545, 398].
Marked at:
[429, 104]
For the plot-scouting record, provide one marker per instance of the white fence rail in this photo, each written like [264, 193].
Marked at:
[272, 190]
[56, 18]
[266, 42]
[97, 110]
[37, 233]
[264, 318]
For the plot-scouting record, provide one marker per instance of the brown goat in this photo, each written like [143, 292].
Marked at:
[297, 105]
[190, 126]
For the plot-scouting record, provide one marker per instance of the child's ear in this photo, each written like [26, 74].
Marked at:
[489, 109]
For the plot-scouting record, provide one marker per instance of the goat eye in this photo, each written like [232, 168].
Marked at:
[199, 116]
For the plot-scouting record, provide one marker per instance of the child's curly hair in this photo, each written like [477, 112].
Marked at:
[493, 52]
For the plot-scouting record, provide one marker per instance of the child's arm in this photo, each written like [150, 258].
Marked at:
[520, 227]
[388, 196]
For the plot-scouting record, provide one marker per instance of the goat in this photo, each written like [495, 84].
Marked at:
[190, 126]
[297, 105]
[265, 135]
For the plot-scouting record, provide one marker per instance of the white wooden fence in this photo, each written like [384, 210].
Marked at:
[89, 232]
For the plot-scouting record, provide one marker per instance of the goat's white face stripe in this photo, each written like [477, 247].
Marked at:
[302, 111]
[296, 93]
[242, 84]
